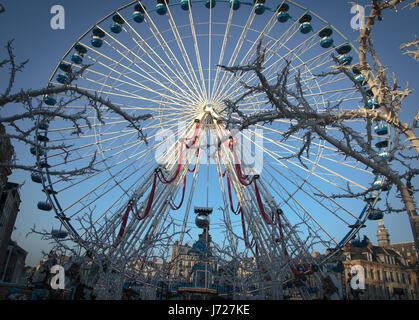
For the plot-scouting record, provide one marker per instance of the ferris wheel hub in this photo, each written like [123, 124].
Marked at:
[208, 108]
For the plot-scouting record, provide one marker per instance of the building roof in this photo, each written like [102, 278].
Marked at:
[358, 253]
[17, 247]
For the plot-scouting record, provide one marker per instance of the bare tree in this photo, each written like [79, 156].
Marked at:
[98, 268]
[290, 103]
[22, 126]
[93, 269]
[414, 53]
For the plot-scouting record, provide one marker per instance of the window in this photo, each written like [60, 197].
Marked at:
[391, 277]
[373, 292]
[372, 274]
[200, 279]
[403, 278]
[378, 275]
[368, 256]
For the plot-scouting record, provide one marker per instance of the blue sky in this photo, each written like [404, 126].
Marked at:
[28, 22]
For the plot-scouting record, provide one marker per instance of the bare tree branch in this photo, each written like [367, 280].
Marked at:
[15, 127]
[289, 103]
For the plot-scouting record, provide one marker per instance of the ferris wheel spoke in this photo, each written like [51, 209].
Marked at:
[281, 63]
[255, 105]
[134, 144]
[170, 55]
[136, 157]
[143, 75]
[78, 148]
[271, 54]
[128, 94]
[306, 181]
[97, 172]
[338, 101]
[251, 100]
[321, 156]
[197, 55]
[277, 158]
[116, 202]
[189, 203]
[100, 92]
[295, 70]
[227, 77]
[176, 70]
[161, 207]
[293, 136]
[112, 177]
[176, 98]
[260, 230]
[318, 84]
[144, 46]
[321, 63]
[222, 53]
[292, 30]
[321, 82]
[167, 77]
[321, 59]
[318, 200]
[334, 173]
[176, 94]
[127, 146]
[227, 220]
[268, 28]
[198, 86]
[167, 118]
[209, 91]
[82, 127]
[305, 211]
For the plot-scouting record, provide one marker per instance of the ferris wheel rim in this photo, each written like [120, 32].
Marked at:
[57, 207]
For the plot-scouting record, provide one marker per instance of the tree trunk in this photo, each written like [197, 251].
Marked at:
[408, 200]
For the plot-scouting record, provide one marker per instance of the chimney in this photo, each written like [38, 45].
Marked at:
[383, 236]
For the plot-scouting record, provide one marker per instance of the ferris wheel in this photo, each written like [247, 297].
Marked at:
[164, 60]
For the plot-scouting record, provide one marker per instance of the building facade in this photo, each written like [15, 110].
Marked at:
[369, 272]
[6, 154]
[14, 270]
[386, 273]
[9, 208]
